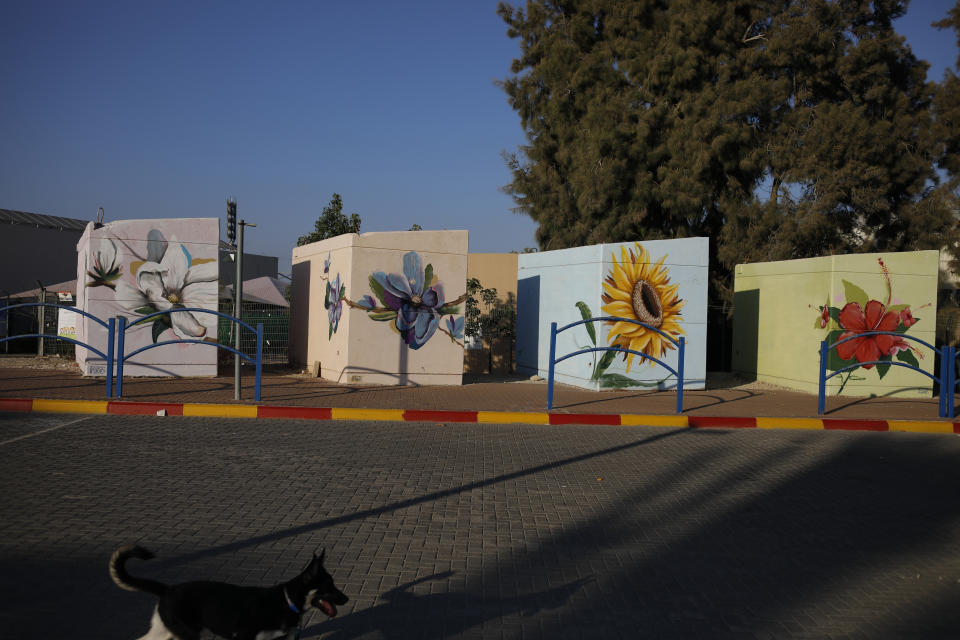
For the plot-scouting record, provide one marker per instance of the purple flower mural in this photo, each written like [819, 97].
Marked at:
[333, 303]
[414, 301]
[455, 327]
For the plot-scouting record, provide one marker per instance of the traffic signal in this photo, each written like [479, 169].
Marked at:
[232, 221]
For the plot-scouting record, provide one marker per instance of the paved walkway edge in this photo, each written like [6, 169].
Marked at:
[37, 405]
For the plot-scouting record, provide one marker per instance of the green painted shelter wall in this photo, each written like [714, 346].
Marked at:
[782, 311]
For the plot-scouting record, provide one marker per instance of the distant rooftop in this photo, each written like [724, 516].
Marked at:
[8, 216]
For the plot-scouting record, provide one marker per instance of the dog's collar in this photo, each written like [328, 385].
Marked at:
[290, 604]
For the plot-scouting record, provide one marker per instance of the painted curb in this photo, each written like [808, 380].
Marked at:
[121, 407]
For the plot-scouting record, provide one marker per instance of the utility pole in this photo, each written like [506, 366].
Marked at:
[238, 306]
[234, 327]
[237, 310]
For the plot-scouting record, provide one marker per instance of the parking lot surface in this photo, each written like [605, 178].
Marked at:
[440, 530]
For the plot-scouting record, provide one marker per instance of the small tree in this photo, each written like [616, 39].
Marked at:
[485, 315]
[331, 223]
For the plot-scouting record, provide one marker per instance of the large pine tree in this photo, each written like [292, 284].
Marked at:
[779, 129]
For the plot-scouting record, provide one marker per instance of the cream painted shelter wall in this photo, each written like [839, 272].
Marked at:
[133, 268]
[381, 308]
[782, 310]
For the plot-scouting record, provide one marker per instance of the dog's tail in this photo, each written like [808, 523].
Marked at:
[118, 571]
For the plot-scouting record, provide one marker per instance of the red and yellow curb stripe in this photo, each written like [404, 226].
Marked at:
[122, 407]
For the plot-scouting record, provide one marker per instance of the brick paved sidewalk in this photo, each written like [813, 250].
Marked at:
[478, 393]
[499, 532]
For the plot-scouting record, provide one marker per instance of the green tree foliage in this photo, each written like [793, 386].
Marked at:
[331, 223]
[778, 129]
[486, 315]
[947, 109]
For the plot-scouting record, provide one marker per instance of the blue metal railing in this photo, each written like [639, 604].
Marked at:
[948, 371]
[109, 325]
[124, 327]
[680, 344]
[946, 377]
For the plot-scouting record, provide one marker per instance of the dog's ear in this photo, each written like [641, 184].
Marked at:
[323, 552]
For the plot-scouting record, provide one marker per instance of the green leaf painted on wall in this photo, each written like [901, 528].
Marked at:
[883, 367]
[383, 316]
[451, 309]
[853, 293]
[604, 363]
[909, 358]
[618, 381]
[427, 277]
[586, 315]
[159, 326]
[377, 289]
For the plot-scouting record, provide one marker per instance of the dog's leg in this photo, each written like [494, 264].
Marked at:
[158, 630]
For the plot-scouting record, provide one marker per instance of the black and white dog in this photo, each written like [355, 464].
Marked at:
[227, 610]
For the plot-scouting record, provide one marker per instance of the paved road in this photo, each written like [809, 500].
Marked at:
[488, 531]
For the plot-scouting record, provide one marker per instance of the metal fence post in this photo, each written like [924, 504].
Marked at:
[121, 333]
[111, 335]
[951, 379]
[553, 353]
[680, 375]
[942, 379]
[821, 381]
[256, 394]
[42, 319]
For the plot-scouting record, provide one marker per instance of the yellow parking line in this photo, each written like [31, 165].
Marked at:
[920, 426]
[220, 410]
[654, 421]
[789, 423]
[513, 417]
[367, 414]
[70, 406]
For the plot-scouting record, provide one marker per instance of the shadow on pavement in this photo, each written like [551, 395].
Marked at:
[404, 613]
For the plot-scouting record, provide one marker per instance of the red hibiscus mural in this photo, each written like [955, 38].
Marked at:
[874, 318]
[861, 314]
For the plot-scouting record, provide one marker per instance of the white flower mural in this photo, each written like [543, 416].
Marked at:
[105, 269]
[170, 278]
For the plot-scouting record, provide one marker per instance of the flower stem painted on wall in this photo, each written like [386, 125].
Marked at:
[414, 301]
[607, 380]
[860, 314]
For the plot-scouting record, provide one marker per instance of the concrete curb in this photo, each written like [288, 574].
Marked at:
[119, 407]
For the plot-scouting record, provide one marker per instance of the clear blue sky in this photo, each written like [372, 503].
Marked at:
[165, 109]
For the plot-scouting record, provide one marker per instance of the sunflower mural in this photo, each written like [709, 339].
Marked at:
[635, 289]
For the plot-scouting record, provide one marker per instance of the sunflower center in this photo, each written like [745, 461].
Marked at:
[646, 304]
[416, 300]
